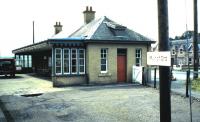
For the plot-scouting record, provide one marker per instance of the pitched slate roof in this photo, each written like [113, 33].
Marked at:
[106, 29]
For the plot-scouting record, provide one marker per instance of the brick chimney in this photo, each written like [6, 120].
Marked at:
[58, 27]
[89, 15]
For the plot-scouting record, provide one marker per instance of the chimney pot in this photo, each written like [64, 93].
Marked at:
[86, 8]
[89, 15]
[58, 27]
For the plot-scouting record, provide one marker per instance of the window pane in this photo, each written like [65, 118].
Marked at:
[103, 67]
[30, 61]
[73, 53]
[81, 69]
[81, 51]
[74, 62]
[103, 61]
[81, 61]
[73, 69]
[58, 69]
[81, 55]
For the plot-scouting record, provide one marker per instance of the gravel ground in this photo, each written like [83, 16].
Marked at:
[97, 104]
[110, 103]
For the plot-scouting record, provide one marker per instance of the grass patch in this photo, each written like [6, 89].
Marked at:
[196, 84]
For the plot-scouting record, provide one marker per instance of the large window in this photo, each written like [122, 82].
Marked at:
[74, 61]
[81, 61]
[58, 60]
[138, 57]
[24, 61]
[66, 60]
[69, 61]
[104, 60]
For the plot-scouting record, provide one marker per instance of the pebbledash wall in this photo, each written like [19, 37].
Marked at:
[93, 73]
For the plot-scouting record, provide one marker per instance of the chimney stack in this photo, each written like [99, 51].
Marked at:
[89, 15]
[58, 27]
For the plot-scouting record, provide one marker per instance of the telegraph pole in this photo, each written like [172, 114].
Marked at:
[195, 42]
[164, 71]
[33, 33]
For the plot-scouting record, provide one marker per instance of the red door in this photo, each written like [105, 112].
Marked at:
[121, 68]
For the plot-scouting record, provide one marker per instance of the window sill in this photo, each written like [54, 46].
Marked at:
[70, 75]
[105, 74]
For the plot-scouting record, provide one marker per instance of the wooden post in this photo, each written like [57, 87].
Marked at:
[164, 71]
[195, 42]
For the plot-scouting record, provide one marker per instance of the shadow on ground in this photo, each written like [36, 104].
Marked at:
[9, 77]
[40, 76]
[111, 86]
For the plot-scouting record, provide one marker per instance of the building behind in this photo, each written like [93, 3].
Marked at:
[182, 49]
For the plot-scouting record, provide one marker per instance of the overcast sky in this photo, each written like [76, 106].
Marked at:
[16, 18]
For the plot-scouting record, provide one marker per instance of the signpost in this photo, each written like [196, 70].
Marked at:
[162, 58]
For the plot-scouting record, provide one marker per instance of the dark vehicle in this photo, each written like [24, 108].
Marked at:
[7, 67]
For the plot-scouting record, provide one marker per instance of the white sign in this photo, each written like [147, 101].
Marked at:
[159, 58]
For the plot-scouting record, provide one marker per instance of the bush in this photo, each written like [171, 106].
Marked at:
[196, 84]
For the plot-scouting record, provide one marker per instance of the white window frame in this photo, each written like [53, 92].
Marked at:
[140, 56]
[104, 58]
[76, 61]
[60, 61]
[69, 52]
[83, 60]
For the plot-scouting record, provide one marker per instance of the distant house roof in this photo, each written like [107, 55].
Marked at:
[105, 29]
[191, 48]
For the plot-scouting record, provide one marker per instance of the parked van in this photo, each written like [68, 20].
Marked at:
[7, 67]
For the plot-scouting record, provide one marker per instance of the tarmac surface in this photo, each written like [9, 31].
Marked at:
[30, 99]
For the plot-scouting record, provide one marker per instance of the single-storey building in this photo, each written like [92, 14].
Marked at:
[101, 51]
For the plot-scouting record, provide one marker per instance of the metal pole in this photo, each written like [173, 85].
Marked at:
[190, 98]
[195, 42]
[143, 80]
[164, 71]
[155, 78]
[187, 82]
[33, 33]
